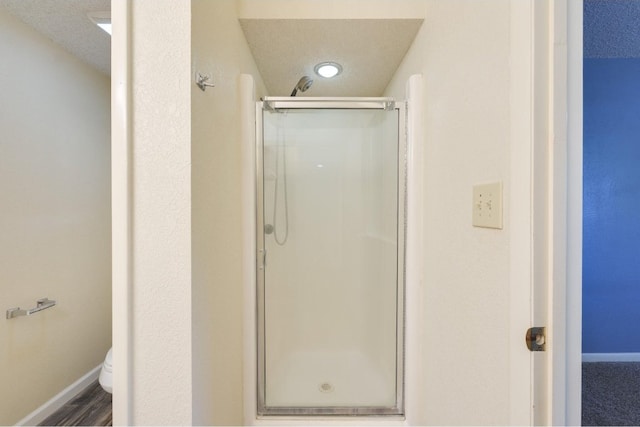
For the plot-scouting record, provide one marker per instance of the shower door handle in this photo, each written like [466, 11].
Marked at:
[262, 258]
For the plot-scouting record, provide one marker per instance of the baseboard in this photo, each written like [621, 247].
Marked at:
[56, 402]
[611, 357]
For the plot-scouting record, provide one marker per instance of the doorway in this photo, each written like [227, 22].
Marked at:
[610, 227]
[330, 251]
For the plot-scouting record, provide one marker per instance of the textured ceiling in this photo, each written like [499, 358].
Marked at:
[66, 23]
[611, 28]
[286, 51]
[369, 50]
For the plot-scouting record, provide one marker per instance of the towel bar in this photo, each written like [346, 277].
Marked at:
[43, 304]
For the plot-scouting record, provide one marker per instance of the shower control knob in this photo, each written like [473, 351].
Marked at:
[268, 229]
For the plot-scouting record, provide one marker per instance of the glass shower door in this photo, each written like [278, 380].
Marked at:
[331, 259]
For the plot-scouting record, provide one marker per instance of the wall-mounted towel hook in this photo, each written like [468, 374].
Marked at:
[201, 81]
[42, 304]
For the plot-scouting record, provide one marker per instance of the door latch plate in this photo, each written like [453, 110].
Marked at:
[536, 339]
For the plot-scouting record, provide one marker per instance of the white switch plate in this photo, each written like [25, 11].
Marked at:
[487, 205]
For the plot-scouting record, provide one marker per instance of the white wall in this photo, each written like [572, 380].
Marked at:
[462, 51]
[55, 223]
[160, 341]
[218, 49]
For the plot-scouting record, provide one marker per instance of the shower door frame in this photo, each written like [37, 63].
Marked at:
[276, 103]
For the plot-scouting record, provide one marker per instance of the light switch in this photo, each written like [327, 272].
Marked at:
[487, 205]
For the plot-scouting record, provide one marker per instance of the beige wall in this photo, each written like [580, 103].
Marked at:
[219, 49]
[55, 223]
[463, 53]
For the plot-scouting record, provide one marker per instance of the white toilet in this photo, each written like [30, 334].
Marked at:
[106, 373]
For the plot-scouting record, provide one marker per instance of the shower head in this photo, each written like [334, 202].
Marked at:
[303, 84]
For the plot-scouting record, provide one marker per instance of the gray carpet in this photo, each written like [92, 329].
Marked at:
[611, 394]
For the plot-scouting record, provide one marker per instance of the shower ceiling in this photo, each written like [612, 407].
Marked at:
[369, 50]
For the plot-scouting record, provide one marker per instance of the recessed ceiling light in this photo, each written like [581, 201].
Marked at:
[328, 69]
[101, 19]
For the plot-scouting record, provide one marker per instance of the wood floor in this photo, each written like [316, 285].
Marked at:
[91, 407]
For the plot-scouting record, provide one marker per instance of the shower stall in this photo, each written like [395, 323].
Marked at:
[330, 256]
